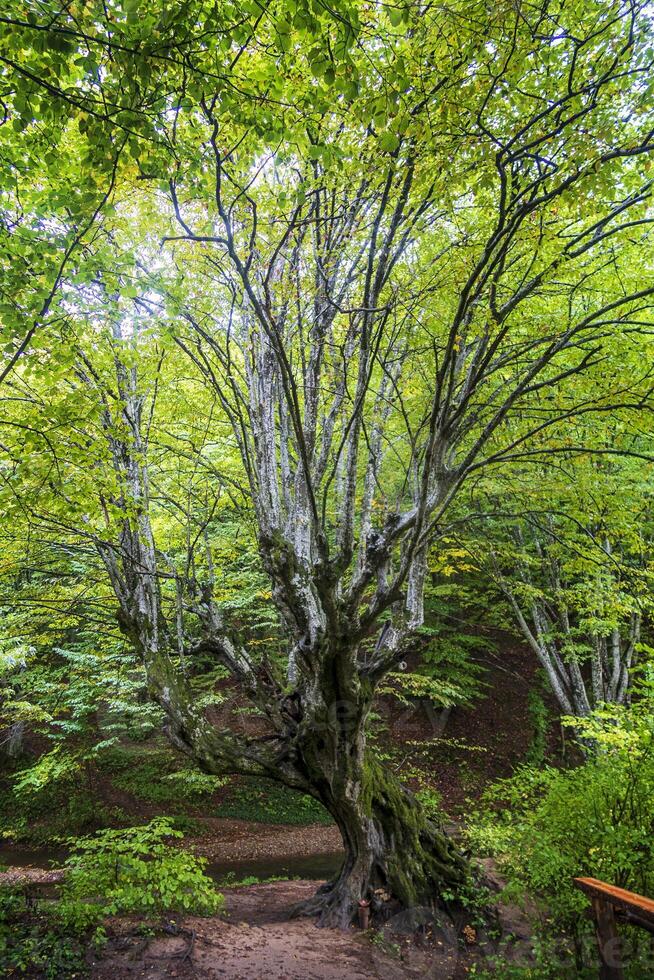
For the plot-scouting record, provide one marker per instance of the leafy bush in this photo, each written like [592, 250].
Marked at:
[134, 870]
[548, 826]
[154, 776]
[54, 770]
[192, 784]
[52, 798]
[31, 944]
[142, 773]
[431, 802]
[189, 826]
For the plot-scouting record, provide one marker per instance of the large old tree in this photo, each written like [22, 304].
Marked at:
[393, 243]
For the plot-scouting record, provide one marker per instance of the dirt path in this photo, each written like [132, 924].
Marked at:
[257, 941]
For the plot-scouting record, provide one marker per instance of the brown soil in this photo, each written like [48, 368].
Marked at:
[256, 941]
[480, 743]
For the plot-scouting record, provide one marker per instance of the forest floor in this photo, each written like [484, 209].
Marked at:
[257, 940]
[223, 839]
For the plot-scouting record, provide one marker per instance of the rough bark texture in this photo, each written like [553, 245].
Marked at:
[392, 850]
[317, 742]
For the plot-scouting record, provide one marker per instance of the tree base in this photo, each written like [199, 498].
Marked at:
[389, 882]
[396, 856]
[332, 906]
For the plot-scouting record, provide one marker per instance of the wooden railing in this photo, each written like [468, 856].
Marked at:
[612, 905]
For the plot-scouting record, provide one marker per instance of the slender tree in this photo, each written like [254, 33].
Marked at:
[575, 565]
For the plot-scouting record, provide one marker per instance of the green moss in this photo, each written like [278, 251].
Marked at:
[423, 861]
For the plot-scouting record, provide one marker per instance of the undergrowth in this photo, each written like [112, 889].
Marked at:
[266, 802]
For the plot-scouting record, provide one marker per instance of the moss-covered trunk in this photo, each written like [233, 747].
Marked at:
[393, 850]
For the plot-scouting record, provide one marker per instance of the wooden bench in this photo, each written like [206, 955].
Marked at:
[611, 905]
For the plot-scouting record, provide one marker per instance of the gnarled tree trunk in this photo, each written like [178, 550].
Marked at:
[391, 847]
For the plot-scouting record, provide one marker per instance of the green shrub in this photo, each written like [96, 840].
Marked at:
[154, 776]
[56, 771]
[52, 798]
[134, 871]
[547, 826]
[431, 801]
[31, 944]
[189, 826]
